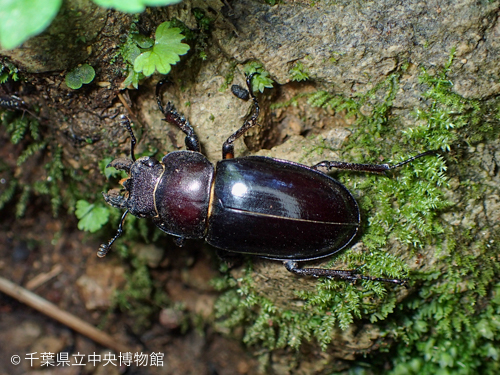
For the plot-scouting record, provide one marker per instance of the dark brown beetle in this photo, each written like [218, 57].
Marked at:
[262, 206]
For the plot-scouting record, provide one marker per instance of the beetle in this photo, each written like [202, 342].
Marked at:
[262, 206]
[15, 103]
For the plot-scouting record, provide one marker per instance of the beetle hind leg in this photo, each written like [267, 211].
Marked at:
[346, 275]
[327, 166]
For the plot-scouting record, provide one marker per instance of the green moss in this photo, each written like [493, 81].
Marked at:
[261, 79]
[24, 130]
[229, 76]
[451, 326]
[401, 208]
[136, 297]
[8, 71]
[299, 72]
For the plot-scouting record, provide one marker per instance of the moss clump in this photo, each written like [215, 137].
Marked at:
[25, 130]
[140, 298]
[401, 209]
[452, 325]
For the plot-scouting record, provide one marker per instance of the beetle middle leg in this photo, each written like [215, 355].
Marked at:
[347, 275]
[15, 103]
[174, 118]
[326, 166]
[250, 122]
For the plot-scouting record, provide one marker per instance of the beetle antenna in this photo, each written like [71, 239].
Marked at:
[126, 123]
[104, 248]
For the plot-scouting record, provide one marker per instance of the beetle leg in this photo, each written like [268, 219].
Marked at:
[347, 275]
[326, 166]
[126, 123]
[115, 199]
[14, 102]
[122, 164]
[174, 118]
[240, 92]
[250, 122]
[179, 241]
[104, 248]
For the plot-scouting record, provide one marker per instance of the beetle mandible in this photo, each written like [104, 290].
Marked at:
[266, 207]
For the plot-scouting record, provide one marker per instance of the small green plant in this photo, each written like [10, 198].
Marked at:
[299, 72]
[25, 130]
[140, 298]
[82, 74]
[261, 80]
[164, 53]
[23, 19]
[8, 71]
[133, 6]
[17, 127]
[92, 216]
[109, 172]
[146, 56]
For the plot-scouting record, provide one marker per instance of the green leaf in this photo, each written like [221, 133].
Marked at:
[80, 75]
[165, 52]
[22, 19]
[142, 40]
[133, 6]
[92, 217]
[261, 79]
[130, 50]
[133, 79]
[110, 171]
[299, 72]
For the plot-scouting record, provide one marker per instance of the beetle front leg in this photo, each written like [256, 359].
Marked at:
[174, 118]
[326, 166]
[104, 248]
[347, 275]
[250, 121]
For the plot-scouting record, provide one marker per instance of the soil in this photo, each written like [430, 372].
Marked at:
[38, 244]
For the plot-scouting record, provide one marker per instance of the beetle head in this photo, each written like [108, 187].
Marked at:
[138, 193]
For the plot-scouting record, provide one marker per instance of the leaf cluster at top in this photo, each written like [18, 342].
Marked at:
[23, 19]
[164, 53]
[146, 55]
[133, 6]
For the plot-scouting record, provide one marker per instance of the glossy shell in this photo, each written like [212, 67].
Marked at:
[182, 194]
[279, 210]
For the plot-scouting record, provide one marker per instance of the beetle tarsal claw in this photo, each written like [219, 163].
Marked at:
[103, 250]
